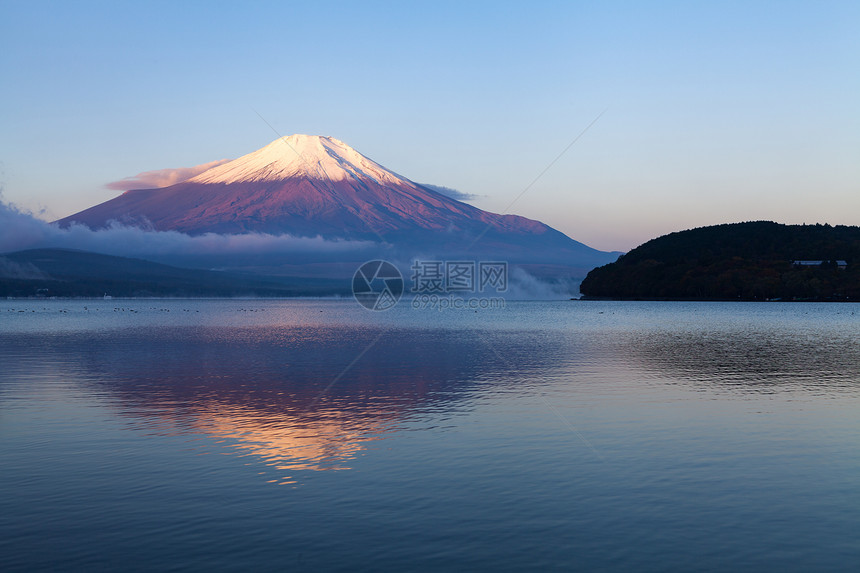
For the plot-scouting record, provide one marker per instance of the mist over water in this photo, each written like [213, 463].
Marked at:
[540, 436]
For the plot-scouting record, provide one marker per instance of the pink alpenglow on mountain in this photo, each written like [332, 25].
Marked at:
[308, 186]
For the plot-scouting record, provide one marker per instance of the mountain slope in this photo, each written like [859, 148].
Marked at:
[319, 186]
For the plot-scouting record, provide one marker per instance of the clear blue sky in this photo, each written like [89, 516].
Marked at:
[715, 111]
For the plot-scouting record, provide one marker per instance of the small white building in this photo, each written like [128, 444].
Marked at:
[839, 264]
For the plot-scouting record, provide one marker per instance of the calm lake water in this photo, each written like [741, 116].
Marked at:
[316, 435]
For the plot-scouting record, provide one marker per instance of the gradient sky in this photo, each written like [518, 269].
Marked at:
[715, 111]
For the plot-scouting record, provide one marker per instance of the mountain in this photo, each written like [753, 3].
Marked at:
[310, 186]
[70, 273]
[748, 261]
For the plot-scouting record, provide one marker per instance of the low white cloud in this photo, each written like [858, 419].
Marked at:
[524, 286]
[20, 230]
[452, 193]
[12, 270]
[162, 177]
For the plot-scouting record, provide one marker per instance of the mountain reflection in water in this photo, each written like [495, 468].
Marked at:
[289, 396]
[543, 436]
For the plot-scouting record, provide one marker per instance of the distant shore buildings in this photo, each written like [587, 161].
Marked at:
[842, 265]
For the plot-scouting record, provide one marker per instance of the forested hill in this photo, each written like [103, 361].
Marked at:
[746, 261]
[69, 273]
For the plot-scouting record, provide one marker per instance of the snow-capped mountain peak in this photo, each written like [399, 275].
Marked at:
[312, 156]
[315, 186]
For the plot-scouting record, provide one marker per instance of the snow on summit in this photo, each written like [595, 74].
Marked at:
[315, 156]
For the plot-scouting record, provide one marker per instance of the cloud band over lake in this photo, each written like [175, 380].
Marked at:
[20, 230]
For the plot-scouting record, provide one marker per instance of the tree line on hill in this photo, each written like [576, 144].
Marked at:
[739, 261]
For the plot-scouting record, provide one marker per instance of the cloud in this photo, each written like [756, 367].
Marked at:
[522, 285]
[12, 270]
[162, 177]
[452, 193]
[20, 230]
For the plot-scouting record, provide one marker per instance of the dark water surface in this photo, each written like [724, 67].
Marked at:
[297, 435]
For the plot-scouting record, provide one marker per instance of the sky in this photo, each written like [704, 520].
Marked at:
[706, 112]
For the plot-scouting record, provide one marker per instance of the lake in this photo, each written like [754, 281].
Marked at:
[317, 435]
